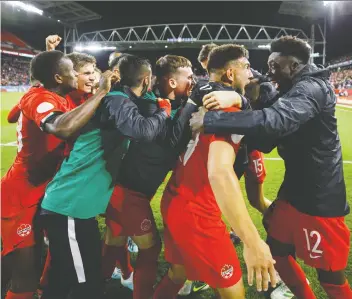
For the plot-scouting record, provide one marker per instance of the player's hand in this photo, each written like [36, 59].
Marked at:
[197, 121]
[260, 264]
[222, 99]
[165, 104]
[52, 41]
[106, 79]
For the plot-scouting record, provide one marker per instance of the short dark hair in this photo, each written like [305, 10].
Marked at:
[169, 64]
[132, 70]
[80, 59]
[292, 46]
[220, 56]
[205, 50]
[116, 61]
[45, 65]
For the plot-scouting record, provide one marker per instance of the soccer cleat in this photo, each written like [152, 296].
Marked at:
[186, 289]
[132, 247]
[281, 292]
[199, 286]
[127, 283]
[116, 274]
[234, 238]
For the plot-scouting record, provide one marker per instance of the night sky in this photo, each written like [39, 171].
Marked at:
[33, 29]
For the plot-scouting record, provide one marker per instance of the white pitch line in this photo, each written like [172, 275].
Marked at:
[279, 159]
[13, 143]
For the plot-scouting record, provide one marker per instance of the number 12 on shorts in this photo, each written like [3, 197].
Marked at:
[314, 251]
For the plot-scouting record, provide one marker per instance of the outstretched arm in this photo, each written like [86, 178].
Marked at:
[229, 197]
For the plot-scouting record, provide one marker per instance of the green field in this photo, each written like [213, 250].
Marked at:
[275, 171]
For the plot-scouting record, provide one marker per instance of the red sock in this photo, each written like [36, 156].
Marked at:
[113, 255]
[293, 276]
[123, 261]
[167, 289]
[28, 295]
[44, 278]
[145, 272]
[338, 291]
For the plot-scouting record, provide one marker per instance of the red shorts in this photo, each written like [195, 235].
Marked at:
[321, 242]
[129, 213]
[18, 193]
[20, 230]
[19, 205]
[256, 167]
[203, 246]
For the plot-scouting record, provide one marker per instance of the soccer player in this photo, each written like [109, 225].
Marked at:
[302, 124]
[204, 54]
[144, 168]
[85, 66]
[44, 118]
[202, 187]
[248, 162]
[82, 187]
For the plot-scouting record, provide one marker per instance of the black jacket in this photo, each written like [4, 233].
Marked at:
[146, 164]
[302, 124]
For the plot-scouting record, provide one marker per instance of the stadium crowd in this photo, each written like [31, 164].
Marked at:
[342, 78]
[92, 144]
[14, 71]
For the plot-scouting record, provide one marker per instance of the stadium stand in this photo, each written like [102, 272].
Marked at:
[15, 58]
[14, 71]
[341, 79]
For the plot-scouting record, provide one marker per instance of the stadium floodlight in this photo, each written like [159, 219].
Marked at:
[264, 46]
[93, 48]
[24, 6]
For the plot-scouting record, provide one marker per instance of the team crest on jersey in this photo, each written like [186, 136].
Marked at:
[227, 271]
[24, 230]
[146, 225]
[44, 107]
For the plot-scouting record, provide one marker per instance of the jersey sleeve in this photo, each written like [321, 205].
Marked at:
[256, 167]
[42, 106]
[234, 140]
[14, 114]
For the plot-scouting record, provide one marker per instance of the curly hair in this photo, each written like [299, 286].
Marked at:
[292, 46]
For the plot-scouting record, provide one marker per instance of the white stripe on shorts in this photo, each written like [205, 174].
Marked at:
[76, 254]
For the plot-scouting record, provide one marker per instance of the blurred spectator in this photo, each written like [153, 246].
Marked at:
[342, 78]
[340, 59]
[14, 70]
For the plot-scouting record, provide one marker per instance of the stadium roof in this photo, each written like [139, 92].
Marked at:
[11, 44]
[69, 13]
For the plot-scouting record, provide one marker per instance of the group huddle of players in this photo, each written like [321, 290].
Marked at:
[92, 143]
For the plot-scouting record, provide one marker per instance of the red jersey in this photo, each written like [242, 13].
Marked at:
[189, 181]
[38, 153]
[76, 98]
